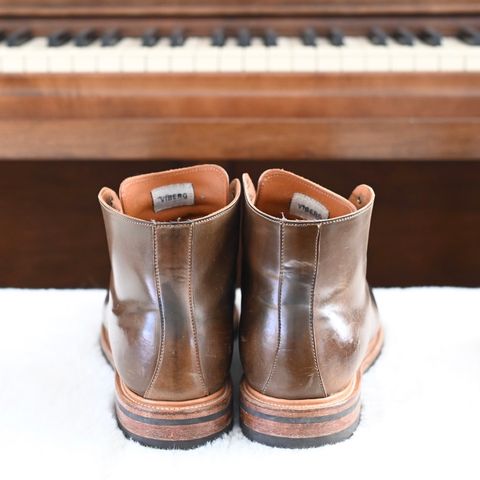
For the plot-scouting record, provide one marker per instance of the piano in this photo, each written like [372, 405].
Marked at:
[386, 93]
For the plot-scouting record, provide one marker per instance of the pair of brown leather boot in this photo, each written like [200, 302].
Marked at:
[309, 325]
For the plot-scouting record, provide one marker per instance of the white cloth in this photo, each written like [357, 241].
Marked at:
[420, 418]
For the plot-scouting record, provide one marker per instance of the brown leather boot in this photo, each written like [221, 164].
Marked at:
[309, 323]
[172, 238]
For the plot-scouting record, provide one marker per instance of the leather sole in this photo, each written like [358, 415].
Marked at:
[305, 423]
[170, 424]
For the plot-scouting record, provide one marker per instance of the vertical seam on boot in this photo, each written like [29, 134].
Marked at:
[191, 309]
[279, 301]
[312, 304]
[161, 314]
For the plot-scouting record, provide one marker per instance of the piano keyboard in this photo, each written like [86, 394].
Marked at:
[88, 52]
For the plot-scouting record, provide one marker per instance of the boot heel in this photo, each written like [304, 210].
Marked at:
[299, 423]
[312, 422]
[164, 424]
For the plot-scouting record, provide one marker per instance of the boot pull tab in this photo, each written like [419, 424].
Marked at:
[109, 197]
[362, 196]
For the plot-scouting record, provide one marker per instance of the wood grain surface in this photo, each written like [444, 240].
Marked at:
[240, 116]
[425, 225]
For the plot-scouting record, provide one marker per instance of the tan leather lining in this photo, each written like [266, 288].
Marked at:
[211, 188]
[276, 188]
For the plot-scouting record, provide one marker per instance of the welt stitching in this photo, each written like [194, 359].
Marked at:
[174, 409]
[318, 237]
[161, 314]
[279, 301]
[190, 305]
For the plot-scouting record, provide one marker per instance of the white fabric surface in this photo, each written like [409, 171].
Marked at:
[421, 412]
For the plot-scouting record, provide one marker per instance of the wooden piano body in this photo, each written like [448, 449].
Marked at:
[413, 135]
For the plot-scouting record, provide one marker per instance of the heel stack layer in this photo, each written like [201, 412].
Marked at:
[298, 423]
[165, 424]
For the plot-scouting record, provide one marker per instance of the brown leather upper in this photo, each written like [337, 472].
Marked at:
[170, 306]
[308, 313]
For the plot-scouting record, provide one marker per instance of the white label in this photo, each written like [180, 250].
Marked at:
[174, 195]
[307, 208]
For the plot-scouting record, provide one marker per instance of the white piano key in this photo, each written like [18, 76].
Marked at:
[376, 57]
[158, 57]
[108, 63]
[452, 55]
[427, 58]
[353, 54]
[206, 56]
[329, 57]
[378, 61]
[279, 57]
[60, 59]
[401, 58]
[472, 59]
[232, 57]
[133, 58]
[35, 54]
[13, 64]
[255, 59]
[109, 59]
[304, 58]
[11, 59]
[182, 59]
[85, 59]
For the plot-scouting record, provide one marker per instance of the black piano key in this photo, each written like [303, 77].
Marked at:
[177, 38]
[244, 39]
[19, 38]
[59, 38]
[111, 38]
[85, 37]
[404, 37]
[3, 35]
[470, 36]
[431, 37]
[377, 36]
[270, 38]
[218, 37]
[335, 37]
[309, 37]
[150, 37]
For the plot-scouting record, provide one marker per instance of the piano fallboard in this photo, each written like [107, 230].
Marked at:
[240, 116]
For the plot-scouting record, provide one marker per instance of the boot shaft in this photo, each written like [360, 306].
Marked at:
[172, 239]
[307, 311]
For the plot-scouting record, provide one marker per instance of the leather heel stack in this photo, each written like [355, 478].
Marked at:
[164, 424]
[299, 423]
